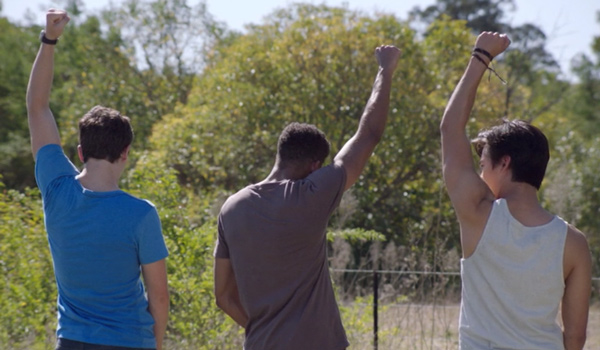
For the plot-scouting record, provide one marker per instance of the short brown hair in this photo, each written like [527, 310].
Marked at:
[104, 134]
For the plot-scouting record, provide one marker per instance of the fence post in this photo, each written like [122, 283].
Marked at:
[375, 306]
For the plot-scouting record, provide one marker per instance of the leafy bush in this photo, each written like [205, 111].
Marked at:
[28, 291]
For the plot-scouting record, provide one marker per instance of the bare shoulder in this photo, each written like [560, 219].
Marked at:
[576, 240]
[577, 254]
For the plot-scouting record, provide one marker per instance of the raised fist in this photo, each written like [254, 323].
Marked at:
[56, 20]
[493, 43]
[387, 56]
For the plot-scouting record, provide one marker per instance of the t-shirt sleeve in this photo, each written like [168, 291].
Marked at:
[152, 245]
[221, 249]
[327, 186]
[50, 164]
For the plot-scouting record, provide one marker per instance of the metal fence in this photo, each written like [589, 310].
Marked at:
[440, 290]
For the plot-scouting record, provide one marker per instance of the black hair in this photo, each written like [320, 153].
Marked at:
[526, 146]
[301, 142]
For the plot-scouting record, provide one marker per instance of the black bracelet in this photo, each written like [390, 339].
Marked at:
[45, 40]
[489, 68]
[487, 54]
[480, 60]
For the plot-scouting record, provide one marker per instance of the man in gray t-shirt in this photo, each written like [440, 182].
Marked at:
[271, 272]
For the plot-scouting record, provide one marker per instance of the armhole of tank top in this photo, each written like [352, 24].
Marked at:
[564, 246]
[495, 206]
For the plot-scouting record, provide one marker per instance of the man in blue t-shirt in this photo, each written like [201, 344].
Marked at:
[100, 237]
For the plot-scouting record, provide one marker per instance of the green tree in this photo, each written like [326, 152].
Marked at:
[167, 40]
[533, 87]
[96, 64]
[573, 185]
[16, 57]
[28, 291]
[194, 320]
[480, 15]
[583, 103]
[315, 64]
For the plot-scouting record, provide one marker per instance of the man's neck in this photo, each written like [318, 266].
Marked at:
[288, 173]
[100, 175]
[524, 205]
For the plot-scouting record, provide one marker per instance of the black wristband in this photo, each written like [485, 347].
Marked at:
[482, 51]
[492, 70]
[46, 40]
[480, 60]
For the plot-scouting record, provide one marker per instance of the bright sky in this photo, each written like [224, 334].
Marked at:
[569, 25]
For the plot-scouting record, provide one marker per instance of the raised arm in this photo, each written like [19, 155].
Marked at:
[356, 152]
[42, 125]
[466, 189]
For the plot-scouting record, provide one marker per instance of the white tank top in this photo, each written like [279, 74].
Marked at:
[513, 284]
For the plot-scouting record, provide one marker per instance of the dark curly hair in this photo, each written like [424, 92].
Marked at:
[301, 142]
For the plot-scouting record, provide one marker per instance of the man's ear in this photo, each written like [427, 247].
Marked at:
[316, 165]
[80, 153]
[505, 162]
[125, 153]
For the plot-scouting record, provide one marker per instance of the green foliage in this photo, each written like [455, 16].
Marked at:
[28, 291]
[165, 40]
[194, 318]
[357, 318]
[313, 64]
[17, 51]
[83, 59]
[96, 64]
[571, 187]
[480, 15]
[572, 182]
[355, 235]
[207, 127]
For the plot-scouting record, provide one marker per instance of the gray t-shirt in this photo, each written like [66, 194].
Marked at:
[274, 235]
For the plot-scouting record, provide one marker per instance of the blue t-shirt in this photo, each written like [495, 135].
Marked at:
[98, 241]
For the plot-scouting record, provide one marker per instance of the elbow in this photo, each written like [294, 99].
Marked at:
[444, 126]
[375, 138]
[160, 300]
[164, 299]
[33, 107]
[220, 302]
[29, 102]
[370, 135]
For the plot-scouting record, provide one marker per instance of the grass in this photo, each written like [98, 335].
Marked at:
[401, 327]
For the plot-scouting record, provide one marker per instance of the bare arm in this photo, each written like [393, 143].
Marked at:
[155, 280]
[356, 152]
[466, 189]
[226, 292]
[42, 125]
[578, 286]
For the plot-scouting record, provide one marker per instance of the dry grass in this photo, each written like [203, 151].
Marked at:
[401, 327]
[420, 327]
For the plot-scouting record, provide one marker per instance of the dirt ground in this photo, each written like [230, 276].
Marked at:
[420, 327]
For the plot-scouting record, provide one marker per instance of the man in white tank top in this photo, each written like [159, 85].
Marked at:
[520, 263]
